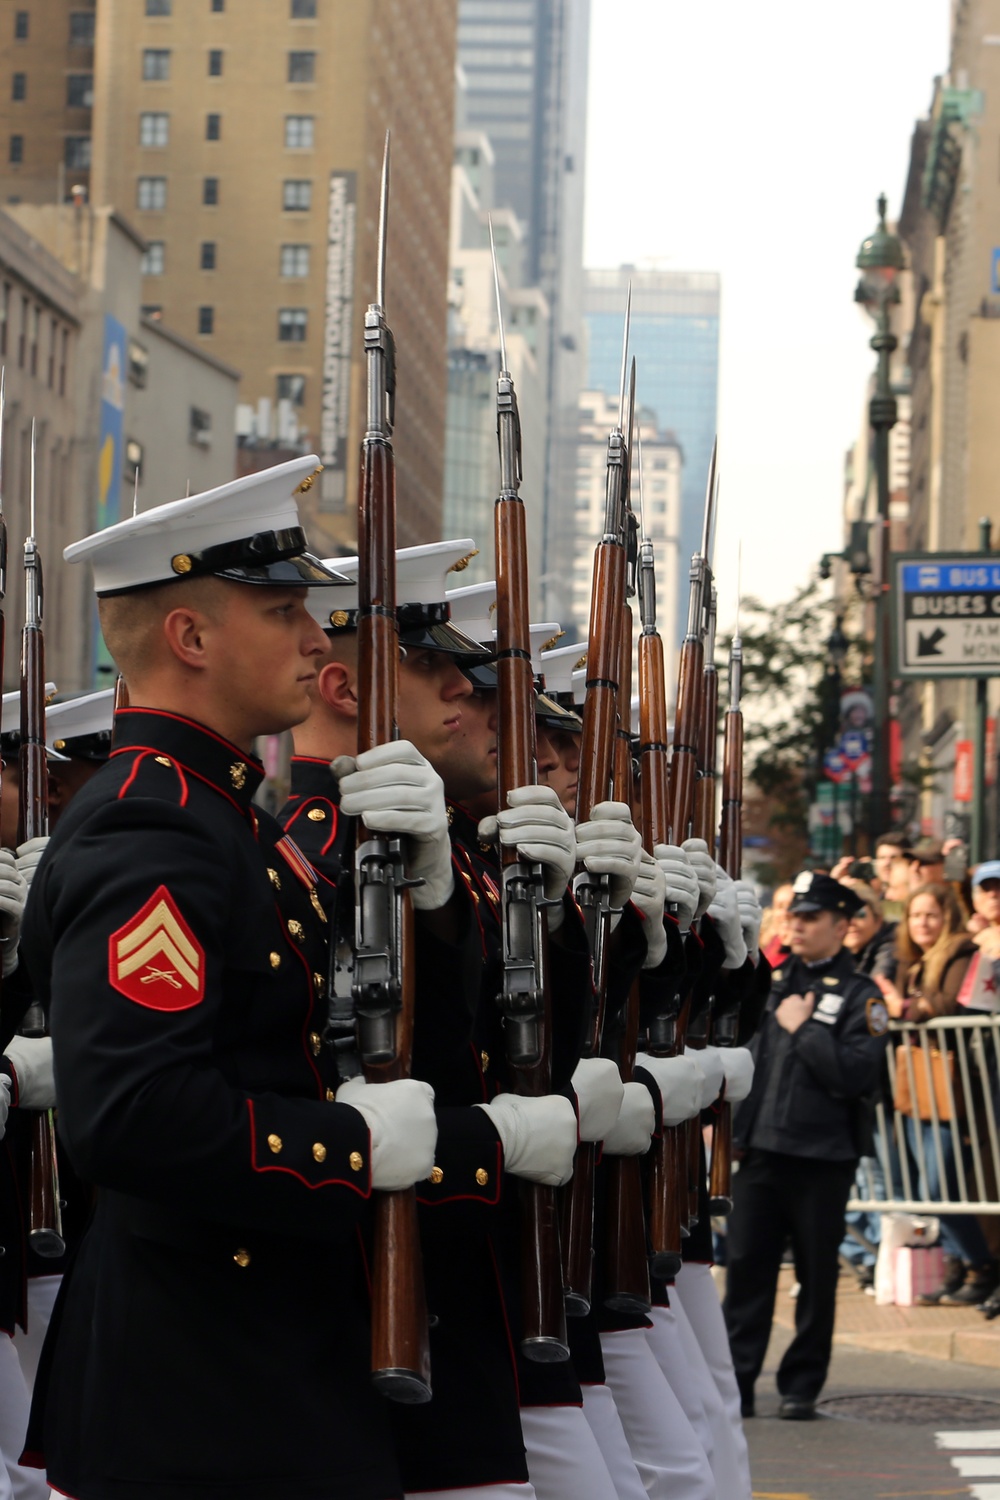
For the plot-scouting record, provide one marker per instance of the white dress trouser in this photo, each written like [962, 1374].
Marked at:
[680, 1358]
[671, 1461]
[700, 1300]
[601, 1412]
[564, 1460]
[16, 1483]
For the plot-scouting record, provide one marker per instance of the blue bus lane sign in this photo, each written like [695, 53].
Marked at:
[947, 614]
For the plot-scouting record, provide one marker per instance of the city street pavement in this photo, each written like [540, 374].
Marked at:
[918, 1435]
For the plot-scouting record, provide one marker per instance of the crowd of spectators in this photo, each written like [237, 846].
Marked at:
[928, 928]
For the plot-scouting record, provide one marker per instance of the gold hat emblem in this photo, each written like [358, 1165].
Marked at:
[238, 775]
[59, 744]
[181, 563]
[551, 643]
[307, 483]
[581, 663]
[339, 618]
[463, 562]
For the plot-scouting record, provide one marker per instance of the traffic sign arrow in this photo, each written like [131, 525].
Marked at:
[927, 645]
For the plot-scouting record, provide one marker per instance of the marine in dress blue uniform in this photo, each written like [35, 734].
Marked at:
[213, 1331]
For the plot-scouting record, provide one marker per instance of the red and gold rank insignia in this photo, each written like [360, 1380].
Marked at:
[155, 959]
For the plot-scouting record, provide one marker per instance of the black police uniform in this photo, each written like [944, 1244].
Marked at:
[469, 1434]
[212, 1333]
[798, 1137]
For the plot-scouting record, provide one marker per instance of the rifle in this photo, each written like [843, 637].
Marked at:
[44, 1209]
[600, 712]
[720, 1177]
[383, 971]
[665, 1034]
[524, 997]
[627, 1259]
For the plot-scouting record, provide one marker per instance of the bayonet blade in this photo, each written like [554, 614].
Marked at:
[621, 383]
[707, 535]
[31, 500]
[496, 286]
[383, 222]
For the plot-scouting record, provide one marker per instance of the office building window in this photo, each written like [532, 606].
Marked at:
[207, 257]
[16, 152]
[215, 63]
[154, 259]
[154, 129]
[19, 86]
[303, 10]
[158, 7]
[296, 194]
[213, 127]
[50, 368]
[299, 132]
[292, 322]
[292, 388]
[63, 360]
[36, 324]
[79, 90]
[151, 193]
[218, 5]
[138, 363]
[210, 191]
[20, 25]
[199, 421]
[155, 64]
[206, 320]
[4, 319]
[81, 28]
[295, 260]
[76, 153]
[301, 67]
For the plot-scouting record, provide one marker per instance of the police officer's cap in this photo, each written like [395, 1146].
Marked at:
[80, 728]
[814, 892]
[423, 612]
[247, 531]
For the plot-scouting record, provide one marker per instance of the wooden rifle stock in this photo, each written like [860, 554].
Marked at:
[45, 1230]
[720, 1178]
[524, 1000]
[601, 708]
[383, 987]
[627, 1260]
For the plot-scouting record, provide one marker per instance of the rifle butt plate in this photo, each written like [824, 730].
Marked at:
[720, 1207]
[666, 1264]
[545, 1350]
[577, 1305]
[407, 1387]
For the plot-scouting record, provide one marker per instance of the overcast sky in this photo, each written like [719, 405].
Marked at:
[752, 137]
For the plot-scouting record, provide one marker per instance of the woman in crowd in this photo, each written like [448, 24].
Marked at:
[870, 939]
[933, 952]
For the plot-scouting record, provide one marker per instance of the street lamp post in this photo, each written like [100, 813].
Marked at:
[880, 261]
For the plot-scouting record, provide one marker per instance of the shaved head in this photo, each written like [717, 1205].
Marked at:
[130, 623]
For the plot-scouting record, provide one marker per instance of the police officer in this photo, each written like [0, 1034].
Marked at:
[819, 1053]
[213, 1331]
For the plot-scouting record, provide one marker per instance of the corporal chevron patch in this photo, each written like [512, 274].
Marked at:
[155, 959]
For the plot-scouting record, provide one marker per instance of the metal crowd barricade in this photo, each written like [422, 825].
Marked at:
[972, 1105]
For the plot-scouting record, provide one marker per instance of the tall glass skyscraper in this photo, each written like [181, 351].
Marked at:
[675, 340]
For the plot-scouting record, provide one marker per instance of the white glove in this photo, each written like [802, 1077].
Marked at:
[683, 890]
[636, 1122]
[750, 917]
[609, 844]
[403, 1129]
[725, 913]
[679, 1081]
[29, 855]
[598, 1087]
[737, 1063]
[705, 869]
[31, 1059]
[708, 1060]
[649, 894]
[537, 824]
[393, 789]
[13, 895]
[4, 1104]
[538, 1136]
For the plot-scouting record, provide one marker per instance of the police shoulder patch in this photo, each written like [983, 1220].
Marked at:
[155, 959]
[877, 1016]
